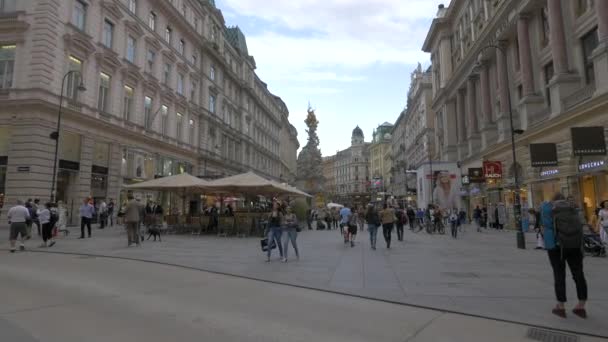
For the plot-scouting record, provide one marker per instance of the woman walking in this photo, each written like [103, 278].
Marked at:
[291, 234]
[454, 223]
[401, 221]
[373, 222]
[559, 247]
[47, 223]
[388, 222]
[275, 220]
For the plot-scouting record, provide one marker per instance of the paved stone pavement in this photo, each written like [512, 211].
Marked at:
[70, 298]
[479, 274]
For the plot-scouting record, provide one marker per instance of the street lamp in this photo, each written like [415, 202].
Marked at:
[521, 239]
[55, 135]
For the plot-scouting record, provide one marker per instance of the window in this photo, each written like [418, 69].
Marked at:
[147, 112]
[152, 20]
[128, 103]
[212, 104]
[131, 49]
[180, 84]
[166, 73]
[79, 14]
[589, 43]
[104, 92]
[193, 88]
[178, 126]
[150, 59]
[7, 6]
[548, 69]
[212, 73]
[182, 46]
[191, 132]
[168, 34]
[132, 5]
[7, 65]
[108, 33]
[164, 119]
[73, 80]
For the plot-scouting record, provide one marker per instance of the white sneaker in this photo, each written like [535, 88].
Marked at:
[284, 260]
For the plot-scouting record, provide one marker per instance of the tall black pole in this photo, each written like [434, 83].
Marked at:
[56, 135]
[432, 178]
[521, 239]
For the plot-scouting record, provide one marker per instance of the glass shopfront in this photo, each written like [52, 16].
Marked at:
[544, 191]
[593, 191]
[4, 141]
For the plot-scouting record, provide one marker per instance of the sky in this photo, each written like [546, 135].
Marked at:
[351, 59]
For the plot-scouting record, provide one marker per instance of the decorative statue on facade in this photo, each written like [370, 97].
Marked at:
[310, 172]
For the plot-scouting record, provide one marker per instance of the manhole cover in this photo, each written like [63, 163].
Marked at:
[550, 336]
[460, 274]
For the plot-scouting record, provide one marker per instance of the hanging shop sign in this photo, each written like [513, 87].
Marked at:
[588, 141]
[492, 169]
[592, 165]
[543, 155]
[476, 175]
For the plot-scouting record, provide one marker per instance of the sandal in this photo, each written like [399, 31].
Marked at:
[582, 313]
[559, 312]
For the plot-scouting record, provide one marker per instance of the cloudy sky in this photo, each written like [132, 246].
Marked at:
[351, 59]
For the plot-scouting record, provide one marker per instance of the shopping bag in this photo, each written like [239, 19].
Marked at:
[264, 244]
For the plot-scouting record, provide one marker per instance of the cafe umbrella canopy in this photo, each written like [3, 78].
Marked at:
[252, 184]
[183, 184]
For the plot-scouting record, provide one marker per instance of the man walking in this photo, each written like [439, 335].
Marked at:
[111, 212]
[103, 214]
[86, 215]
[132, 219]
[17, 216]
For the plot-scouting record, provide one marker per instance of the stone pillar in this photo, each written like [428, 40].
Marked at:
[445, 54]
[503, 94]
[114, 172]
[488, 128]
[600, 55]
[564, 83]
[450, 128]
[461, 121]
[473, 120]
[525, 56]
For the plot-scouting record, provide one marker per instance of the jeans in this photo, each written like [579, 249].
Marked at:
[85, 221]
[574, 258]
[411, 220]
[387, 230]
[373, 234]
[47, 231]
[291, 234]
[454, 227]
[274, 233]
[400, 231]
[111, 218]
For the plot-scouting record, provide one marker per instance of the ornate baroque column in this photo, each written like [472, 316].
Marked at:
[461, 123]
[525, 56]
[473, 120]
[503, 93]
[488, 134]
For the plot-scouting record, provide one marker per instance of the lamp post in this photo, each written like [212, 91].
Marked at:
[55, 135]
[521, 239]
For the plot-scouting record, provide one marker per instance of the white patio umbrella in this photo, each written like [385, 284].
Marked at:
[334, 205]
[252, 183]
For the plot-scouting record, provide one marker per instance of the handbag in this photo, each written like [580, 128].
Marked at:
[264, 244]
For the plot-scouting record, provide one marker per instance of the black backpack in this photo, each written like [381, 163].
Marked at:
[568, 226]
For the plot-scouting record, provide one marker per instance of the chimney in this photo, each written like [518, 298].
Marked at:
[441, 11]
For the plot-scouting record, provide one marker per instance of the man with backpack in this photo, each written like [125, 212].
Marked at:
[563, 234]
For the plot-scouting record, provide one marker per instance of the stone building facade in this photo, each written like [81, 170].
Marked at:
[169, 89]
[380, 165]
[351, 171]
[547, 63]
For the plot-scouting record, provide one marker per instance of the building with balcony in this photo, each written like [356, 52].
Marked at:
[546, 62]
[169, 89]
[351, 171]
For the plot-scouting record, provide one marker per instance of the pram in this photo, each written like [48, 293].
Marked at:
[593, 245]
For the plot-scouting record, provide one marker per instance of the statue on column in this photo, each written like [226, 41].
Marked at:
[310, 172]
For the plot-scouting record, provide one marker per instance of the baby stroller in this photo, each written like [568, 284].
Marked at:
[593, 245]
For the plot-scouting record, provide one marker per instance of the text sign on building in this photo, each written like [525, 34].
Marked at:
[588, 141]
[591, 165]
[543, 155]
[492, 169]
[476, 175]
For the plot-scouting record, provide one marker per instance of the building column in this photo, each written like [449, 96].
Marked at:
[472, 119]
[461, 121]
[488, 128]
[600, 55]
[503, 94]
[114, 172]
[450, 131]
[564, 83]
[531, 103]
